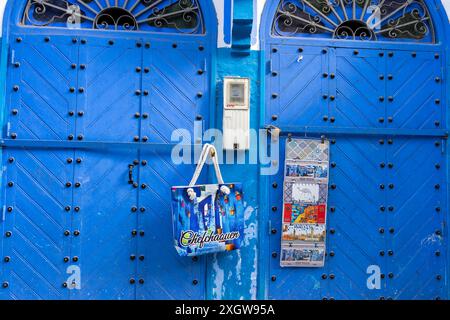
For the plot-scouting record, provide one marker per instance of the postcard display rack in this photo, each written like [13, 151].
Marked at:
[305, 195]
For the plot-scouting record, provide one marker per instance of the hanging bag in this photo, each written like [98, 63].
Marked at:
[207, 218]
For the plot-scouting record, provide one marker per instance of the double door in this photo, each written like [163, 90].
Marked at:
[89, 168]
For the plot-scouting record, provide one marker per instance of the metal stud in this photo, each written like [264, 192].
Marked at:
[390, 275]
[437, 79]
[380, 120]
[76, 233]
[391, 186]
[77, 209]
[273, 231]
[195, 282]
[437, 101]
[324, 276]
[5, 285]
[146, 70]
[391, 230]
[75, 259]
[274, 254]
[274, 95]
[332, 254]
[132, 257]
[437, 253]
[67, 208]
[132, 281]
[274, 209]
[200, 71]
[141, 281]
[201, 48]
[437, 186]
[325, 118]
[144, 162]
[332, 231]
[10, 209]
[381, 98]
[382, 208]
[332, 75]
[195, 259]
[274, 117]
[71, 113]
[145, 115]
[274, 185]
[174, 45]
[333, 209]
[110, 42]
[19, 39]
[72, 89]
[14, 112]
[333, 164]
[13, 135]
[145, 139]
[147, 45]
[134, 233]
[332, 119]
[332, 276]
[138, 45]
[333, 186]
[82, 66]
[381, 253]
[10, 184]
[67, 233]
[381, 186]
[66, 259]
[83, 41]
[136, 138]
[381, 230]
[16, 88]
[391, 208]
[8, 234]
[391, 253]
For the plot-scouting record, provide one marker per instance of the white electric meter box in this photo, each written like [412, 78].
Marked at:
[236, 113]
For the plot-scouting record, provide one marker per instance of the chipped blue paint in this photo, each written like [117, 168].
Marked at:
[234, 275]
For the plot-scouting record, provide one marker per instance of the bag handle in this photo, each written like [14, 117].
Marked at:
[208, 151]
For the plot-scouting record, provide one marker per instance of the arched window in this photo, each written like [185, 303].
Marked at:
[181, 16]
[384, 20]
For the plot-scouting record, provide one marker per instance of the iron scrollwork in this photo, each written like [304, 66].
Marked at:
[182, 16]
[354, 19]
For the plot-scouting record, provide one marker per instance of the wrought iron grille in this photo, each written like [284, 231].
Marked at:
[181, 16]
[401, 20]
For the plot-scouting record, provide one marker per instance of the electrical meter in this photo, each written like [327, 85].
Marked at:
[236, 114]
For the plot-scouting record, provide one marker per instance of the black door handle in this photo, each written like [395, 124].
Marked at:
[130, 173]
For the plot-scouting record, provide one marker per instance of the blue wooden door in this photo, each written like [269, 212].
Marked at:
[97, 198]
[386, 193]
[177, 99]
[37, 227]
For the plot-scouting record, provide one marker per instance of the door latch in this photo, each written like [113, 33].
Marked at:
[130, 173]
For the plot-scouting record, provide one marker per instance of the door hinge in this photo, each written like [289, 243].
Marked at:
[8, 128]
[4, 213]
[443, 143]
[270, 227]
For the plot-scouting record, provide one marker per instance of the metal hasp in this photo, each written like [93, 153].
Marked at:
[94, 91]
[370, 77]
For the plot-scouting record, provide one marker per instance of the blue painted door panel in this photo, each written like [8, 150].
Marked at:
[298, 92]
[162, 266]
[387, 194]
[414, 93]
[358, 87]
[34, 240]
[355, 216]
[178, 89]
[416, 225]
[111, 89]
[106, 221]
